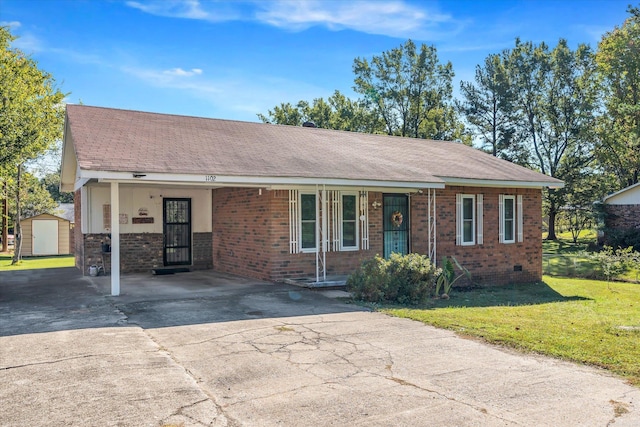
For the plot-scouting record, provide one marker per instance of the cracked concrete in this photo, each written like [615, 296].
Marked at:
[214, 350]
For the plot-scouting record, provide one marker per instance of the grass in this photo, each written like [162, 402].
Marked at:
[36, 262]
[564, 258]
[585, 321]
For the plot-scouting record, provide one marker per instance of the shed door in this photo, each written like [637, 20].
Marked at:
[395, 224]
[44, 236]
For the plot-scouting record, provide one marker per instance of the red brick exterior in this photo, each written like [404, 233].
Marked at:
[622, 217]
[491, 263]
[250, 237]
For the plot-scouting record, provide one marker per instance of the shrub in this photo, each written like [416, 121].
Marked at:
[624, 238]
[368, 282]
[404, 279]
[613, 262]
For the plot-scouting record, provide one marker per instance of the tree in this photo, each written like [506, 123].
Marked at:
[31, 116]
[487, 104]
[337, 112]
[34, 198]
[51, 183]
[411, 91]
[555, 99]
[618, 61]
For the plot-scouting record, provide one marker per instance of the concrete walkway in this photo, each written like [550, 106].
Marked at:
[211, 350]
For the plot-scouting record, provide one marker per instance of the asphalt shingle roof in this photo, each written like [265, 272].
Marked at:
[108, 139]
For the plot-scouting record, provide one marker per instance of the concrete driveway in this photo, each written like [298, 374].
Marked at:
[201, 349]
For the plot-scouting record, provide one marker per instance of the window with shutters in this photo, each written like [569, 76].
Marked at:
[469, 219]
[511, 221]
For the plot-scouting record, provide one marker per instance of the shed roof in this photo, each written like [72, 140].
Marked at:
[114, 140]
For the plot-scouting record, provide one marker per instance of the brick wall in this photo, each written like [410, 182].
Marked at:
[141, 252]
[623, 217]
[241, 219]
[492, 263]
[251, 237]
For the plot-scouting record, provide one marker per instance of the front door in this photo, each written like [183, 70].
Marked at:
[395, 208]
[177, 232]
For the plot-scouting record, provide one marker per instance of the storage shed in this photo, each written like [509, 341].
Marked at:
[46, 234]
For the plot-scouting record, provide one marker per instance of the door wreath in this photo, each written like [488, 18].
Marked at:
[396, 218]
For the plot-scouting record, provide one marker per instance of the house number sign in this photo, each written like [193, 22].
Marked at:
[209, 178]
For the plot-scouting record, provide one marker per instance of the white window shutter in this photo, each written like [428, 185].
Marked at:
[459, 219]
[501, 218]
[479, 216]
[519, 213]
[294, 248]
[364, 222]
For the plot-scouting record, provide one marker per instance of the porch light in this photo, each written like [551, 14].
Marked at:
[139, 175]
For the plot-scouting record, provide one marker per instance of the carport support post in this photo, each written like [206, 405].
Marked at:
[115, 239]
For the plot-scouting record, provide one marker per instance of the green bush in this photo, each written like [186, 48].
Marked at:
[403, 279]
[624, 238]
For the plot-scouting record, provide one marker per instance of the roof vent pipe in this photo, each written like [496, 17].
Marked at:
[309, 125]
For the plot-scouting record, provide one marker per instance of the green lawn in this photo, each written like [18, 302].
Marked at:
[585, 321]
[564, 258]
[36, 262]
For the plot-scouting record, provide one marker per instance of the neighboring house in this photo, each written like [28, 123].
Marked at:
[277, 202]
[622, 210]
[46, 234]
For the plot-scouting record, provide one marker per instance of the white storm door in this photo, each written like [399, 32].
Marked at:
[45, 236]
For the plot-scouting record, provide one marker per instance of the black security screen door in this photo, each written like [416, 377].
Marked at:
[177, 232]
[395, 224]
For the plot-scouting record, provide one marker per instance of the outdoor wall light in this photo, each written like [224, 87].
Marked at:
[139, 175]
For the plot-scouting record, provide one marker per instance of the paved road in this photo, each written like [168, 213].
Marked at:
[200, 349]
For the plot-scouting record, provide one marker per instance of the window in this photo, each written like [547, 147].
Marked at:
[308, 222]
[337, 220]
[469, 219]
[465, 219]
[511, 221]
[349, 222]
[508, 219]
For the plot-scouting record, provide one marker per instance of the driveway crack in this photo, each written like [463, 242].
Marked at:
[231, 422]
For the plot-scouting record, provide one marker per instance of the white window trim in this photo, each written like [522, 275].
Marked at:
[356, 221]
[460, 220]
[315, 248]
[517, 219]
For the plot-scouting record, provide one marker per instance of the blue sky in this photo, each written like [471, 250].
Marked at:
[233, 60]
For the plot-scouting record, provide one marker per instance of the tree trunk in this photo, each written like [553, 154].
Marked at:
[17, 229]
[552, 225]
[5, 216]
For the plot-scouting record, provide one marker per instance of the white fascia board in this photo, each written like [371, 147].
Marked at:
[469, 182]
[228, 180]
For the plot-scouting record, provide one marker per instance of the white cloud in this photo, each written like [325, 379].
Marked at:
[11, 24]
[183, 73]
[394, 18]
[173, 78]
[187, 9]
[233, 94]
